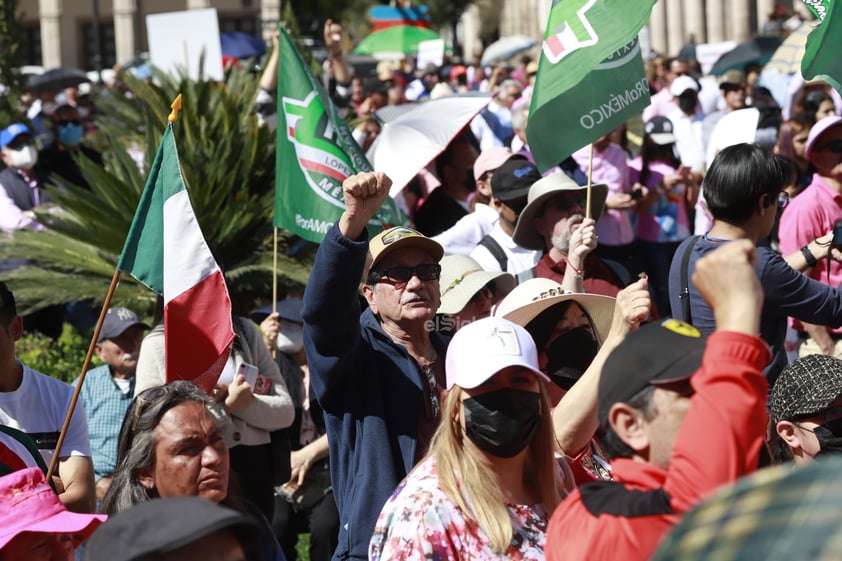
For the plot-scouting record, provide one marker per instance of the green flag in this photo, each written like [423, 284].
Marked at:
[315, 153]
[821, 55]
[590, 75]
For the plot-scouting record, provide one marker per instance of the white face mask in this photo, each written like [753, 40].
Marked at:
[25, 158]
[291, 338]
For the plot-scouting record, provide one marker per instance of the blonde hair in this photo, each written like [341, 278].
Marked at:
[466, 476]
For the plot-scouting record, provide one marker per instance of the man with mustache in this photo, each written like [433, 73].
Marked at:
[108, 389]
[378, 375]
[554, 221]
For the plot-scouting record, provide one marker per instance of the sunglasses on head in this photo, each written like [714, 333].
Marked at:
[402, 275]
[150, 395]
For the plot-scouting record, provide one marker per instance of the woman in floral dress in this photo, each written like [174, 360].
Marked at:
[489, 481]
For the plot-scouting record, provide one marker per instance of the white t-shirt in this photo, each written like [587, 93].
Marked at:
[520, 259]
[38, 408]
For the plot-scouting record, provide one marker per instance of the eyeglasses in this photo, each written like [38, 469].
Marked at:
[486, 292]
[834, 146]
[65, 122]
[401, 275]
[783, 199]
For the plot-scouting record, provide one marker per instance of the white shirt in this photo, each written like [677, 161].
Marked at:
[462, 238]
[520, 259]
[688, 138]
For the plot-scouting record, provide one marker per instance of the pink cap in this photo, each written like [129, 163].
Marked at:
[817, 130]
[491, 159]
[28, 504]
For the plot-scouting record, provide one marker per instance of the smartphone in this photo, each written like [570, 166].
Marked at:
[249, 371]
[636, 194]
[837, 235]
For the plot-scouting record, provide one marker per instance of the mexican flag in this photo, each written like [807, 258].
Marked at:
[166, 251]
[315, 153]
[821, 56]
[590, 75]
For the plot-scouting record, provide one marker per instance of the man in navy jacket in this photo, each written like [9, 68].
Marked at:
[377, 375]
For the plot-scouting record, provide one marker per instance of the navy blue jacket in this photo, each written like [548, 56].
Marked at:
[368, 386]
[787, 293]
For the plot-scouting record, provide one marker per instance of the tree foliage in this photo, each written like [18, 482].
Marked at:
[11, 58]
[228, 164]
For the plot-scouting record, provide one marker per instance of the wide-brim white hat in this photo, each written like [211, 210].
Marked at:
[462, 277]
[527, 300]
[526, 235]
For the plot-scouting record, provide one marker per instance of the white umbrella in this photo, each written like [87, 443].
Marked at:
[506, 48]
[412, 140]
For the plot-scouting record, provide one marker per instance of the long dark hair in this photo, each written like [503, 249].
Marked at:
[651, 151]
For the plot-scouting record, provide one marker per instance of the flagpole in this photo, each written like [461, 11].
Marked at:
[275, 279]
[54, 460]
[588, 190]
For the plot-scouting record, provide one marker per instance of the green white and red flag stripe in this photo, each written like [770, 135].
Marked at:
[166, 251]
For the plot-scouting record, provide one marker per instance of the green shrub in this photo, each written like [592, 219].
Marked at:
[60, 359]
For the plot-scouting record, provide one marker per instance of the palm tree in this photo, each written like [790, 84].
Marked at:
[228, 163]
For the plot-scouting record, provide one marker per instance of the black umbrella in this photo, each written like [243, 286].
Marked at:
[57, 79]
[757, 50]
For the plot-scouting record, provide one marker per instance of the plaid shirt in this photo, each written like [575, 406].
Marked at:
[105, 405]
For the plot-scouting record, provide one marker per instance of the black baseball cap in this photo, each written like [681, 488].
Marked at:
[513, 179]
[163, 525]
[658, 353]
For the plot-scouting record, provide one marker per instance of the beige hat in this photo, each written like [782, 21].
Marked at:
[526, 235]
[527, 300]
[399, 237]
[462, 277]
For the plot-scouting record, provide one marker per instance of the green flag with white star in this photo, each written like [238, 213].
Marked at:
[315, 152]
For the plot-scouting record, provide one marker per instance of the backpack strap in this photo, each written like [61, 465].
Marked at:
[684, 295]
[496, 251]
[524, 276]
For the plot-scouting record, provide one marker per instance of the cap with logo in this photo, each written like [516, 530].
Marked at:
[400, 237]
[483, 348]
[117, 320]
[660, 130]
[513, 179]
[659, 353]
[10, 133]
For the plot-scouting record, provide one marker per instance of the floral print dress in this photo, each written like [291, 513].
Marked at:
[420, 522]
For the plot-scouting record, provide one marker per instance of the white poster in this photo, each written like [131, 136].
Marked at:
[430, 52]
[708, 53]
[177, 41]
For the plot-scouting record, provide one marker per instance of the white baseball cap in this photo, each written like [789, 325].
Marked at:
[483, 348]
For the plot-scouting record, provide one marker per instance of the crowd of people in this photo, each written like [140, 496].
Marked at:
[531, 368]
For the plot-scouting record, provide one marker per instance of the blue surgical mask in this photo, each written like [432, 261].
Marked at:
[70, 134]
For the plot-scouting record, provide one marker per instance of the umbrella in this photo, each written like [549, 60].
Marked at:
[57, 79]
[410, 141]
[400, 39]
[506, 48]
[241, 45]
[757, 50]
[777, 514]
[787, 58]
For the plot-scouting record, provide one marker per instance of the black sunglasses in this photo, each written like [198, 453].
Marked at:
[402, 275]
[65, 122]
[569, 203]
[834, 146]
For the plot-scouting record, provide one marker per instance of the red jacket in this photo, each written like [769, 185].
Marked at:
[719, 441]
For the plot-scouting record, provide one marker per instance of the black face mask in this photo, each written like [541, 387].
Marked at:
[829, 436]
[569, 355]
[502, 422]
[687, 103]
